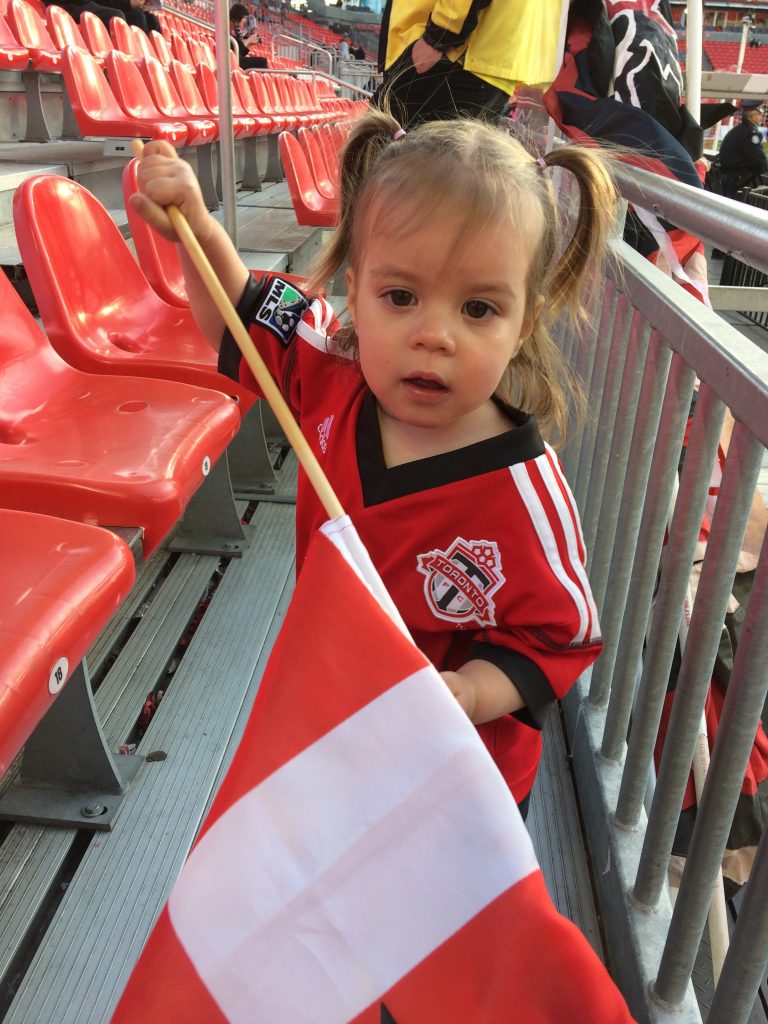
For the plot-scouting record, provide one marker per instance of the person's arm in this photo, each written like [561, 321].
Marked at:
[484, 691]
[166, 180]
[449, 25]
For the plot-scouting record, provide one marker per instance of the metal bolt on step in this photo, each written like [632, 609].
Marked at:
[93, 810]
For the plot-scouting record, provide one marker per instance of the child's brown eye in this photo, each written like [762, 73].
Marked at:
[400, 297]
[476, 309]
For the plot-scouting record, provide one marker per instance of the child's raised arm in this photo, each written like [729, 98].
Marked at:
[166, 180]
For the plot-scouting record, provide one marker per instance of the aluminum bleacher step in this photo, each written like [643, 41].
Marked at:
[124, 876]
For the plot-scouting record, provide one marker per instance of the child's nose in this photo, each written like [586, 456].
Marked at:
[433, 333]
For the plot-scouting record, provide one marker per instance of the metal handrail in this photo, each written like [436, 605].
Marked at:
[301, 44]
[650, 342]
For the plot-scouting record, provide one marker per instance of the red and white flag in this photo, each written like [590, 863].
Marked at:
[363, 861]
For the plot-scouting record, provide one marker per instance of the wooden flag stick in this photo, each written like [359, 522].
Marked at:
[269, 389]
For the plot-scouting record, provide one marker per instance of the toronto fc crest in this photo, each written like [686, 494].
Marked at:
[460, 583]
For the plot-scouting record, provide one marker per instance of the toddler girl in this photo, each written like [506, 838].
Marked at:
[427, 411]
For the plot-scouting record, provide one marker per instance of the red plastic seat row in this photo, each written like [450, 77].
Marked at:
[100, 314]
[311, 207]
[107, 450]
[158, 258]
[60, 584]
[96, 109]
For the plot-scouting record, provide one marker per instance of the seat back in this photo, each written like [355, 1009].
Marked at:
[180, 50]
[205, 80]
[123, 38]
[200, 53]
[189, 93]
[142, 42]
[263, 99]
[130, 88]
[91, 98]
[316, 160]
[311, 209]
[162, 89]
[63, 29]
[158, 258]
[162, 49]
[330, 146]
[29, 366]
[13, 57]
[29, 27]
[95, 34]
[94, 300]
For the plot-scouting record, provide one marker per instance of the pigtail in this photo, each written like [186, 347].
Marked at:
[367, 140]
[540, 380]
[576, 272]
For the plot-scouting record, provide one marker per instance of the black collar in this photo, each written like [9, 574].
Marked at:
[519, 444]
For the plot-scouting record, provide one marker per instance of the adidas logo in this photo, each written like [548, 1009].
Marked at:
[323, 431]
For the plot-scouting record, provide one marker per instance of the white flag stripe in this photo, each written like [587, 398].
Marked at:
[567, 521]
[548, 542]
[346, 540]
[347, 866]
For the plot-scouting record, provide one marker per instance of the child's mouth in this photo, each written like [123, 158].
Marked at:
[426, 383]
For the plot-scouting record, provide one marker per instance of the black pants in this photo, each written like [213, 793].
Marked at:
[144, 19]
[445, 91]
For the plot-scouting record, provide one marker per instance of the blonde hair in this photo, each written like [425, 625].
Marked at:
[469, 165]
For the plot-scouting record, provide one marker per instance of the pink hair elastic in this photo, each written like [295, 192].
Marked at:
[399, 134]
[542, 163]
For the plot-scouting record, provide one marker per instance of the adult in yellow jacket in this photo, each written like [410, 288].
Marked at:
[446, 58]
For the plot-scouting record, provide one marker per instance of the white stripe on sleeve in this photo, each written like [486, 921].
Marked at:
[547, 539]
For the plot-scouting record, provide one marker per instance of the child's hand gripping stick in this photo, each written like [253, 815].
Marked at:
[256, 364]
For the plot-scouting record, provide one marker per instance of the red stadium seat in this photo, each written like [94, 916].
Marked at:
[12, 56]
[190, 96]
[158, 258]
[124, 38]
[63, 29]
[311, 208]
[168, 102]
[97, 39]
[98, 309]
[131, 92]
[162, 49]
[60, 584]
[313, 151]
[264, 102]
[96, 110]
[330, 145]
[243, 102]
[116, 451]
[244, 125]
[30, 31]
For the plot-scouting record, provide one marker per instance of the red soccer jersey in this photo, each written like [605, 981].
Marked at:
[480, 548]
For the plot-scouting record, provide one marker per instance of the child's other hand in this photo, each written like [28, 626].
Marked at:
[463, 689]
[164, 179]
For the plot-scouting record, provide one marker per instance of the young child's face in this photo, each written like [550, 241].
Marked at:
[437, 323]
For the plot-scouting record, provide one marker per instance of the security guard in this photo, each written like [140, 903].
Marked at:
[742, 159]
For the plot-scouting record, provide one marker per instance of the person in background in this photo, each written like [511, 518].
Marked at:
[238, 18]
[358, 52]
[742, 159]
[428, 410]
[449, 58]
[344, 47]
[135, 12]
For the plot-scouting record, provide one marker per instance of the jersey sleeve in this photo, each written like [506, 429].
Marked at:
[547, 630]
[279, 318]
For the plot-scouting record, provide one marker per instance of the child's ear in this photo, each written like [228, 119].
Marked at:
[529, 321]
[349, 277]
